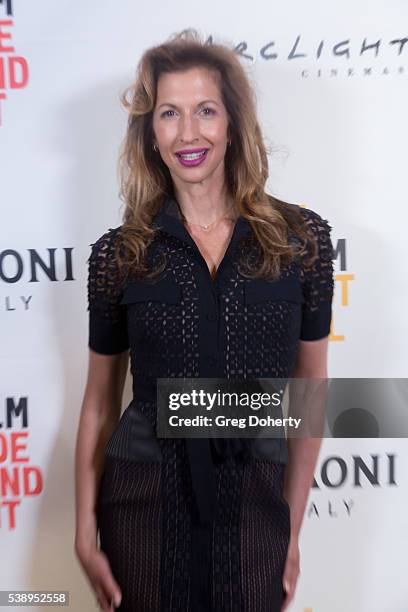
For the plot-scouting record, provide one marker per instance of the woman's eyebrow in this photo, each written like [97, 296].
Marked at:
[176, 107]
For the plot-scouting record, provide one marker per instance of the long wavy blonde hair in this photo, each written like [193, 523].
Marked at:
[145, 181]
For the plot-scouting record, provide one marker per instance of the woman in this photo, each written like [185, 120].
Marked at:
[208, 276]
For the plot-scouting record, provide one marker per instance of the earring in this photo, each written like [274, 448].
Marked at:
[229, 143]
[155, 148]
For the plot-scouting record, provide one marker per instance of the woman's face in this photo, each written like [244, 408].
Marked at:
[190, 116]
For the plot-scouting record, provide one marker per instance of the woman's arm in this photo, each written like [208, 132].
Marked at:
[100, 412]
[311, 362]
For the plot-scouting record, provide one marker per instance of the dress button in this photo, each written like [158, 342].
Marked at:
[212, 316]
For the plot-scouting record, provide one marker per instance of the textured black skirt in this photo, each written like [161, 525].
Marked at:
[164, 562]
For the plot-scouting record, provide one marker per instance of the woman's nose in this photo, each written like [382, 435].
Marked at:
[188, 128]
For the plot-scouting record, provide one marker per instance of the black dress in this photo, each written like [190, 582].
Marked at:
[169, 547]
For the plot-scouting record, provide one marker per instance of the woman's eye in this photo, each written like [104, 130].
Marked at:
[211, 111]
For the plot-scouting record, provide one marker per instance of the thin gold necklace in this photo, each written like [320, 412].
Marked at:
[207, 227]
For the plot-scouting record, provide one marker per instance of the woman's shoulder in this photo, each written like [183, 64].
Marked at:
[315, 222]
[105, 279]
[308, 228]
[106, 241]
[309, 218]
[103, 259]
[311, 233]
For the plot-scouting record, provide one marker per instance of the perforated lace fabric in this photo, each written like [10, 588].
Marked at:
[130, 529]
[237, 329]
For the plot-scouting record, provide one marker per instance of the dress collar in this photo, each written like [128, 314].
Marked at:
[169, 220]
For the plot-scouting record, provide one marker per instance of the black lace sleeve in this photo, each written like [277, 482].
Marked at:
[107, 317]
[318, 281]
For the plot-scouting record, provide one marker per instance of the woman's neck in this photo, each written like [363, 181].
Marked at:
[204, 209]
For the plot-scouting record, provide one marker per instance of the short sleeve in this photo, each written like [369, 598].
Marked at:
[107, 317]
[318, 281]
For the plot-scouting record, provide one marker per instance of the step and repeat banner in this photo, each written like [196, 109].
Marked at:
[331, 87]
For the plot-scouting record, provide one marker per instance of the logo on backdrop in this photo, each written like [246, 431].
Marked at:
[33, 267]
[342, 279]
[19, 479]
[13, 67]
[371, 56]
[8, 6]
[355, 473]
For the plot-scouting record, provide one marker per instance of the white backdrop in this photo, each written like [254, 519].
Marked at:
[336, 117]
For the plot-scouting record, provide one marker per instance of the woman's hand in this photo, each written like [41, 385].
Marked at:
[291, 572]
[97, 569]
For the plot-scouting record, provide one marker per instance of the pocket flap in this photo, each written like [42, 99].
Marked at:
[261, 290]
[164, 290]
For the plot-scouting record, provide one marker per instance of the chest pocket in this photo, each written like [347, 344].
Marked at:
[286, 289]
[163, 290]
